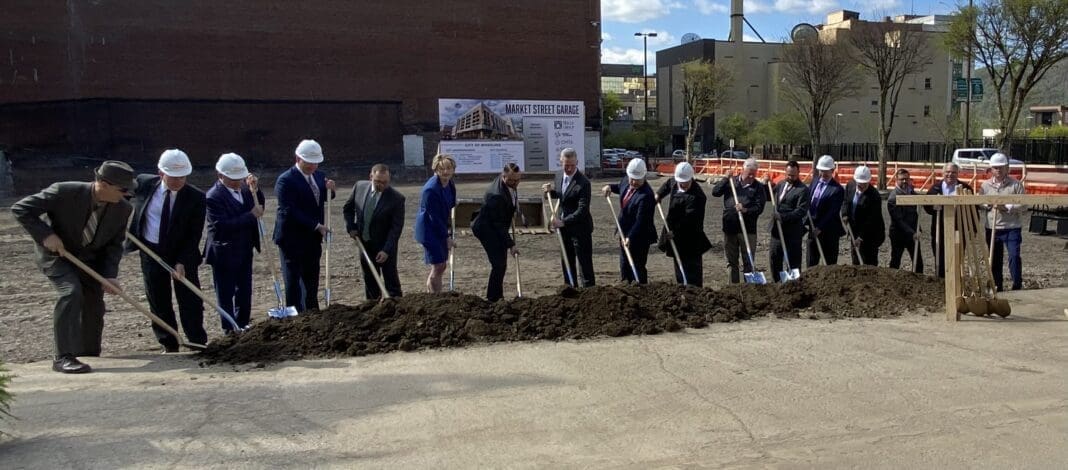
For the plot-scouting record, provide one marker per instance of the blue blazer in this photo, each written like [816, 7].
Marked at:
[298, 211]
[826, 212]
[636, 218]
[435, 207]
[232, 229]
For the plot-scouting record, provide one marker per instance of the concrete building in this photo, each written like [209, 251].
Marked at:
[924, 104]
[126, 79]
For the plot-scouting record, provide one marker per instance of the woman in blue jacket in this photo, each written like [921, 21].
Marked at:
[432, 222]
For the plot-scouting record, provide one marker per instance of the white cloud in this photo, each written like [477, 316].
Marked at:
[813, 7]
[618, 55]
[708, 7]
[749, 38]
[661, 38]
[636, 11]
[605, 36]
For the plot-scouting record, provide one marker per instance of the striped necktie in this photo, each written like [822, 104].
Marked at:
[90, 227]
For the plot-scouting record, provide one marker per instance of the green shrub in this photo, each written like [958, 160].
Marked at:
[1041, 132]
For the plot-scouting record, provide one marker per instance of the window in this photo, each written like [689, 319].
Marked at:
[875, 102]
[927, 83]
[926, 108]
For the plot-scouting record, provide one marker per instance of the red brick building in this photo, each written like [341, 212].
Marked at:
[126, 79]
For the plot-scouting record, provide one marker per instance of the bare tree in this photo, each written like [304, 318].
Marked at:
[1017, 41]
[705, 87]
[816, 74]
[889, 52]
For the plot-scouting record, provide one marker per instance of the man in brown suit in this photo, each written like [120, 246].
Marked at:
[87, 220]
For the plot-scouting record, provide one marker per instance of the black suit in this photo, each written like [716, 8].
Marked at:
[686, 221]
[904, 222]
[825, 209]
[865, 217]
[574, 211]
[937, 227]
[178, 244]
[636, 207]
[792, 209]
[233, 233]
[491, 228]
[380, 234]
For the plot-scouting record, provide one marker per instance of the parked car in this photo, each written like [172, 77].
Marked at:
[734, 154]
[632, 154]
[678, 154]
[978, 156]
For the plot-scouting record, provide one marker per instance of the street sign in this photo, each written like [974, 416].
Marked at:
[977, 88]
[731, 145]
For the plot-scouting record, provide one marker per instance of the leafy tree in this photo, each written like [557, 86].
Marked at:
[781, 128]
[610, 107]
[736, 127]
[1017, 41]
[889, 52]
[817, 74]
[705, 88]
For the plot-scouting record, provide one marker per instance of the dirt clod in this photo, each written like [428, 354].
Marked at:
[423, 321]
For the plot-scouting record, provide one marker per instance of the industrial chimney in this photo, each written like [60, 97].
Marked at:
[736, 21]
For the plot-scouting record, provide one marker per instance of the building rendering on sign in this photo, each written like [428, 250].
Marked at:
[925, 103]
[482, 123]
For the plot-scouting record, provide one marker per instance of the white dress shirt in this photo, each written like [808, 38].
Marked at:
[154, 212]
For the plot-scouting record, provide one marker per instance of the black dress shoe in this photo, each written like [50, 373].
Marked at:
[170, 349]
[70, 365]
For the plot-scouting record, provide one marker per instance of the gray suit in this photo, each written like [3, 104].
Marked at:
[78, 319]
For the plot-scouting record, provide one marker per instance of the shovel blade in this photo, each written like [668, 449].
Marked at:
[282, 312]
[755, 277]
[791, 275]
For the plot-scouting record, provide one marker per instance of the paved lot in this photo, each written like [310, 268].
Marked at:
[915, 392]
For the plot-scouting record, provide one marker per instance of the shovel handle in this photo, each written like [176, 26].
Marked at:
[626, 250]
[371, 265]
[745, 232]
[778, 225]
[189, 285]
[452, 251]
[141, 308]
[674, 248]
[560, 236]
[329, 239]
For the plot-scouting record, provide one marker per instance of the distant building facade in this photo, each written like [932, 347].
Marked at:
[628, 83]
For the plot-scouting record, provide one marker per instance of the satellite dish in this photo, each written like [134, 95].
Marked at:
[690, 37]
[803, 32]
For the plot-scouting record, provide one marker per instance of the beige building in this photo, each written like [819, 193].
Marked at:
[627, 82]
[923, 107]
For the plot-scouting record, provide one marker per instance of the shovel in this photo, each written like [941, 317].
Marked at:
[518, 277]
[754, 276]
[281, 311]
[674, 248]
[374, 272]
[141, 308]
[560, 236]
[452, 271]
[329, 238]
[787, 274]
[622, 240]
[819, 247]
[186, 282]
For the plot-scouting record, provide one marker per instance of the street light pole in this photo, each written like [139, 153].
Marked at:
[836, 116]
[645, 68]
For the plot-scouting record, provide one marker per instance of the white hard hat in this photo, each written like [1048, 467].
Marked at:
[683, 172]
[998, 159]
[636, 169]
[825, 163]
[174, 162]
[862, 174]
[310, 151]
[232, 166]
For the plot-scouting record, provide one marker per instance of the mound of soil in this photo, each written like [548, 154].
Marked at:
[422, 321]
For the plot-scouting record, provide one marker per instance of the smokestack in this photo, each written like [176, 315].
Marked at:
[736, 21]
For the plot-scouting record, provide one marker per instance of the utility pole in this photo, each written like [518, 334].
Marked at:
[645, 67]
[968, 82]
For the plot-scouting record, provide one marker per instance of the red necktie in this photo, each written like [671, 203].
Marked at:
[626, 199]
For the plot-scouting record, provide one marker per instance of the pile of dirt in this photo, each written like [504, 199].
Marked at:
[422, 321]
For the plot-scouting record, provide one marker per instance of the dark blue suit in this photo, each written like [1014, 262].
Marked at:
[232, 235]
[299, 244]
[636, 220]
[825, 209]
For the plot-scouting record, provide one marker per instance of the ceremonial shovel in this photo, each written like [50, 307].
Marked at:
[626, 250]
[560, 236]
[281, 311]
[674, 247]
[787, 274]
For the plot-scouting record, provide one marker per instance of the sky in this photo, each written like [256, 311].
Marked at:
[710, 19]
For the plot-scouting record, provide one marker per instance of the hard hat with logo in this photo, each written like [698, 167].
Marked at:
[683, 172]
[175, 163]
[636, 169]
[310, 151]
[232, 166]
[862, 174]
[825, 163]
[998, 159]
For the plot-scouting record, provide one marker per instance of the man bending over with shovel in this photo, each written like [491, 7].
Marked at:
[88, 221]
